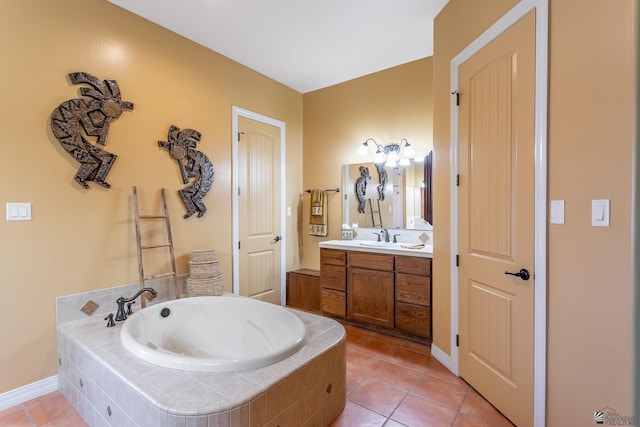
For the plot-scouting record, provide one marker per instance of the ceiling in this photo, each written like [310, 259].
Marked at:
[303, 44]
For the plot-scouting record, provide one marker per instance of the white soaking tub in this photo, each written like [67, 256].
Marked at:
[213, 334]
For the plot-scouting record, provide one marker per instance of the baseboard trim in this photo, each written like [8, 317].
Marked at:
[442, 357]
[30, 391]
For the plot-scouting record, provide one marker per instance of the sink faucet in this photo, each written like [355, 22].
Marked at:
[121, 314]
[385, 232]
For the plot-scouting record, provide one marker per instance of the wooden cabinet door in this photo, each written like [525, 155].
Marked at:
[370, 296]
[303, 289]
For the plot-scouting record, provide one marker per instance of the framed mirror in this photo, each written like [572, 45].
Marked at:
[405, 201]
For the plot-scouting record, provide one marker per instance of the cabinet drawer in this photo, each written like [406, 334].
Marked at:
[334, 257]
[334, 302]
[413, 265]
[413, 319]
[333, 277]
[413, 289]
[370, 261]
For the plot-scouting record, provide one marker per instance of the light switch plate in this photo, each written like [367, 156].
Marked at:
[18, 211]
[557, 212]
[600, 213]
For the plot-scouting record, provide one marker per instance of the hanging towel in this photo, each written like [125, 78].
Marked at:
[318, 213]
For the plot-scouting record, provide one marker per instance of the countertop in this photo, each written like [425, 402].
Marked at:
[378, 247]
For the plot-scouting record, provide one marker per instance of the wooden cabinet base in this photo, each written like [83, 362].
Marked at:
[382, 330]
[303, 290]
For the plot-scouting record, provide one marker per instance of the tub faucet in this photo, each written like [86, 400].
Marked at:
[122, 314]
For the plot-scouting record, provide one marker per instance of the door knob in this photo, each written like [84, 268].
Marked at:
[523, 274]
[277, 238]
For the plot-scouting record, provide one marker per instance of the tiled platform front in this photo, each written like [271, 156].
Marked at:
[109, 386]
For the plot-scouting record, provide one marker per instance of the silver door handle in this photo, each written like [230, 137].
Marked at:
[277, 238]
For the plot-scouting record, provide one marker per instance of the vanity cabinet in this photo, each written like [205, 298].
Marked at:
[387, 291]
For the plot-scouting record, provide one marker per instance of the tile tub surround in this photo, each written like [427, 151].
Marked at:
[68, 308]
[108, 386]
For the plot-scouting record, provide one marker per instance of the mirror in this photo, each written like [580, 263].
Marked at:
[404, 202]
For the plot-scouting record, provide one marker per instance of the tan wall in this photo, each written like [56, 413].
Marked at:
[591, 131]
[81, 240]
[387, 106]
[591, 144]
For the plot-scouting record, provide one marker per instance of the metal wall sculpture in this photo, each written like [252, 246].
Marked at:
[93, 114]
[382, 180]
[361, 188]
[193, 165]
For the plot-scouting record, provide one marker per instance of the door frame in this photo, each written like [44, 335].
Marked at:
[236, 113]
[540, 216]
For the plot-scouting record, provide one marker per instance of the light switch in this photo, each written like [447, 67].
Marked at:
[18, 211]
[600, 213]
[557, 212]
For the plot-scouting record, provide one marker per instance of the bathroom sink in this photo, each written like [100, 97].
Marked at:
[374, 244]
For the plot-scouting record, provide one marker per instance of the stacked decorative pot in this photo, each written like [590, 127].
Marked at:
[204, 274]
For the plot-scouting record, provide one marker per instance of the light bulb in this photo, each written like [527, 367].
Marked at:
[379, 157]
[408, 151]
[363, 149]
[393, 155]
[391, 163]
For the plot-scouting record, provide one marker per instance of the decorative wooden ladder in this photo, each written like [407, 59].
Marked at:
[373, 219]
[169, 244]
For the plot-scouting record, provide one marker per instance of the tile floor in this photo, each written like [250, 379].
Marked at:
[391, 382]
[51, 410]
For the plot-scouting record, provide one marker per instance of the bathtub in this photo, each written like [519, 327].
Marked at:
[213, 334]
[110, 386]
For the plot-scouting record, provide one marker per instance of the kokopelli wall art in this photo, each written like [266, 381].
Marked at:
[194, 165]
[93, 115]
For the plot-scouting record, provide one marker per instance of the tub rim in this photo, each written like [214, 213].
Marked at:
[172, 360]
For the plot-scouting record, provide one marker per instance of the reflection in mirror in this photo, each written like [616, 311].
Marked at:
[397, 205]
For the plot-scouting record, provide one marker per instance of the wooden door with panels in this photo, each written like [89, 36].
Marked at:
[259, 208]
[496, 220]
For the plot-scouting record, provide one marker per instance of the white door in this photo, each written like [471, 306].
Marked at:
[259, 211]
[496, 220]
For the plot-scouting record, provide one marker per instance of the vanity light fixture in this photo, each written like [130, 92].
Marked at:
[391, 155]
